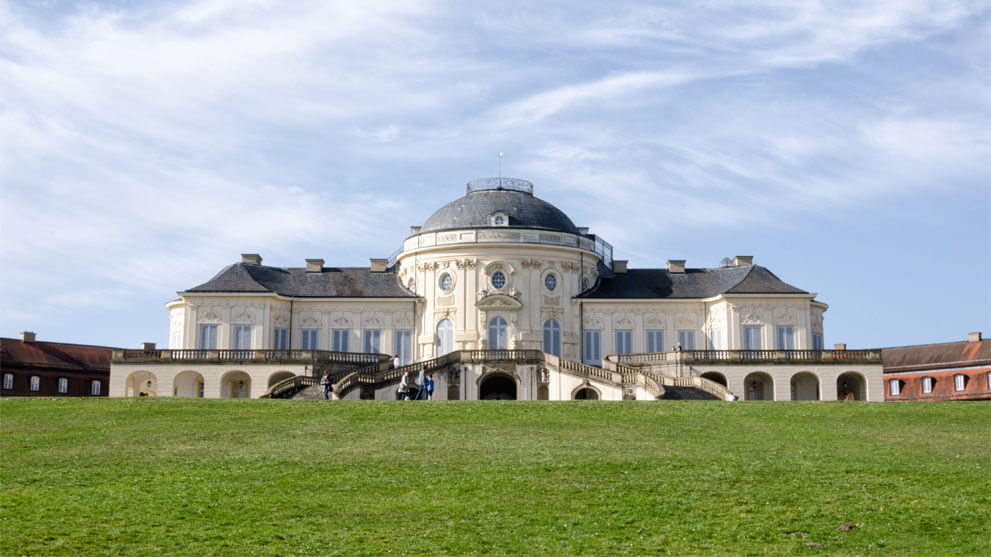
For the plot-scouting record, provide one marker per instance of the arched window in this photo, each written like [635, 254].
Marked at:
[498, 337]
[552, 337]
[445, 337]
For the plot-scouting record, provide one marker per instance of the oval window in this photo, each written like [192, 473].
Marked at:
[498, 280]
[446, 282]
[499, 220]
[550, 281]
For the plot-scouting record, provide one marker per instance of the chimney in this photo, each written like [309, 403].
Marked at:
[619, 266]
[839, 346]
[741, 260]
[414, 229]
[379, 265]
[148, 346]
[251, 258]
[314, 265]
[676, 265]
[27, 336]
[974, 337]
[583, 231]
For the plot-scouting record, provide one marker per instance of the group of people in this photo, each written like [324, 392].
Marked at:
[424, 387]
[424, 384]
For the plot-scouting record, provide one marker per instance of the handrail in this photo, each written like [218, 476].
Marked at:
[780, 356]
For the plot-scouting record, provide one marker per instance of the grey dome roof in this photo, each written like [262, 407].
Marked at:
[524, 211]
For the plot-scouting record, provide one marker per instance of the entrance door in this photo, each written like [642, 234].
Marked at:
[497, 387]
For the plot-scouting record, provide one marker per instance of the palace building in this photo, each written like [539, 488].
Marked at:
[498, 295]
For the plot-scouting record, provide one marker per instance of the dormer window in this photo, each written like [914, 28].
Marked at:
[499, 219]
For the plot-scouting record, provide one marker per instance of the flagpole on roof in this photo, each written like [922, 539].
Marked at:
[500, 169]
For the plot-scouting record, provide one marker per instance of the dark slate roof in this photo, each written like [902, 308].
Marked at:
[54, 356]
[524, 210]
[693, 283]
[331, 282]
[936, 356]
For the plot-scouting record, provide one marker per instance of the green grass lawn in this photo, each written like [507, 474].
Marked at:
[150, 476]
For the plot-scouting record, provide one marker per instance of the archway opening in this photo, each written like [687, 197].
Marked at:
[188, 384]
[141, 383]
[851, 386]
[586, 393]
[497, 387]
[235, 384]
[804, 386]
[758, 386]
[715, 377]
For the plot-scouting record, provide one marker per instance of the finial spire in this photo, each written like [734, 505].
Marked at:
[500, 169]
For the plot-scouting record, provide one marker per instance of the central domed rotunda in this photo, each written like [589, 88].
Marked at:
[488, 199]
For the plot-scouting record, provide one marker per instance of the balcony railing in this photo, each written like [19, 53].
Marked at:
[748, 356]
[234, 355]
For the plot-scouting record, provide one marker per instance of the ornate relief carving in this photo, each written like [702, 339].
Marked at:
[593, 322]
[570, 266]
[784, 317]
[281, 319]
[342, 323]
[623, 323]
[490, 235]
[424, 267]
[498, 302]
[685, 322]
[543, 375]
[310, 323]
[453, 375]
[752, 318]
[209, 317]
[466, 263]
[531, 263]
[655, 324]
[243, 317]
[402, 320]
[447, 237]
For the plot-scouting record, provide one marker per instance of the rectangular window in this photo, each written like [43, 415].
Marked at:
[340, 339]
[817, 341]
[404, 346]
[751, 337]
[63, 385]
[624, 341]
[894, 387]
[308, 339]
[959, 382]
[716, 339]
[593, 347]
[242, 337]
[927, 385]
[95, 386]
[35, 383]
[370, 341]
[686, 339]
[280, 340]
[786, 338]
[208, 337]
[655, 340]
[8, 380]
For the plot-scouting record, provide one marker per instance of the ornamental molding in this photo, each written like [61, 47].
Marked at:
[531, 263]
[243, 317]
[209, 317]
[570, 266]
[342, 323]
[752, 318]
[497, 301]
[310, 323]
[466, 263]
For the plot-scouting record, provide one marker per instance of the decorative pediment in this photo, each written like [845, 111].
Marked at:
[497, 302]
[752, 319]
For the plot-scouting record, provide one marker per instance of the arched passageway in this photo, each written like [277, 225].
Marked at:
[586, 393]
[804, 386]
[279, 376]
[851, 386]
[497, 387]
[235, 384]
[188, 384]
[716, 377]
[758, 386]
[141, 383]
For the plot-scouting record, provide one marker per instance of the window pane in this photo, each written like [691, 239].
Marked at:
[340, 340]
[498, 334]
[958, 382]
[927, 385]
[786, 338]
[593, 347]
[445, 337]
[95, 387]
[242, 337]
[309, 339]
[63, 385]
[208, 337]
[894, 387]
[716, 339]
[817, 341]
[370, 341]
[404, 346]
[552, 337]
[624, 341]
[8, 380]
[35, 383]
[686, 339]
[281, 340]
[751, 337]
[498, 280]
[655, 341]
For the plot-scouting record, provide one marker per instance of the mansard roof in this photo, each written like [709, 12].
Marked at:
[330, 282]
[693, 283]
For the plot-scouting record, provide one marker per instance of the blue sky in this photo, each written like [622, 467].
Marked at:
[144, 146]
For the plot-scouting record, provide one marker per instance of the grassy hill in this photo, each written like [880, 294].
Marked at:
[147, 476]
